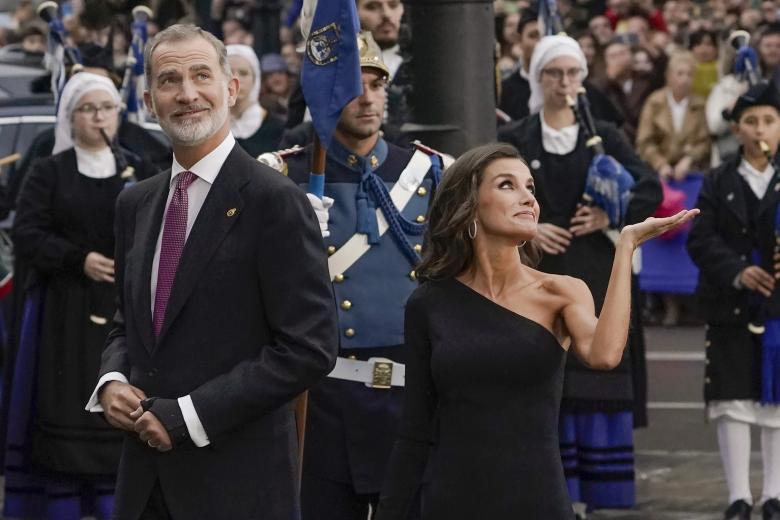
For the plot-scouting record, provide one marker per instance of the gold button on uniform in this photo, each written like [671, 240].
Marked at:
[413, 275]
[418, 248]
[338, 278]
[421, 191]
[707, 343]
[707, 380]
[331, 250]
[346, 305]
[349, 333]
[737, 310]
[420, 219]
[353, 358]
[352, 160]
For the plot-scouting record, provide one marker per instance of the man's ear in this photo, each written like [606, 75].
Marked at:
[148, 102]
[233, 87]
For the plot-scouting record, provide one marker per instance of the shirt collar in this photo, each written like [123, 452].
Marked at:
[748, 169]
[376, 157]
[208, 167]
[674, 103]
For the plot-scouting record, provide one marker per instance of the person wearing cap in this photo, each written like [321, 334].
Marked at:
[733, 243]
[596, 409]
[277, 84]
[254, 128]
[354, 413]
[61, 458]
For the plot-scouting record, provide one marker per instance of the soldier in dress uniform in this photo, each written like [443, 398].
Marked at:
[732, 243]
[372, 218]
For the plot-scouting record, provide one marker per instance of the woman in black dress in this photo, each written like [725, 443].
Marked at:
[487, 336]
[61, 461]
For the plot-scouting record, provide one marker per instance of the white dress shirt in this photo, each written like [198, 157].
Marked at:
[559, 142]
[206, 171]
[757, 180]
[678, 109]
[393, 59]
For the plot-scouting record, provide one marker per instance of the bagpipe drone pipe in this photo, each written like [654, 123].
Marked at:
[59, 53]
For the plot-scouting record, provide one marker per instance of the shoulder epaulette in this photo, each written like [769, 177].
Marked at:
[278, 159]
[446, 159]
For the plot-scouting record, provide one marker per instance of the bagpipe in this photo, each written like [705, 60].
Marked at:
[58, 51]
[123, 167]
[131, 90]
[608, 184]
[760, 322]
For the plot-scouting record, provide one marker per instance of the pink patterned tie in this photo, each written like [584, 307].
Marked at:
[174, 236]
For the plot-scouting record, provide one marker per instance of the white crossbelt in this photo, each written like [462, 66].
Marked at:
[408, 182]
[374, 373]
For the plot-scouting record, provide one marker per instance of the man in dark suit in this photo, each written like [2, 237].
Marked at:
[225, 310]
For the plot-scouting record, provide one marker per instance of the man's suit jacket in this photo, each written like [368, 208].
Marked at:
[250, 324]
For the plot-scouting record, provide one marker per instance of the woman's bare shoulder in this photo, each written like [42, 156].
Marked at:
[565, 286]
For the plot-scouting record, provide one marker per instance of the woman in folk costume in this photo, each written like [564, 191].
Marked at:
[61, 461]
[732, 244]
[255, 129]
[596, 425]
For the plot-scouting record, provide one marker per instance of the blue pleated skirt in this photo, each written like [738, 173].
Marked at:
[597, 450]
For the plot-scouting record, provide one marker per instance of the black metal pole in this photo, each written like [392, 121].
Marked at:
[266, 21]
[453, 73]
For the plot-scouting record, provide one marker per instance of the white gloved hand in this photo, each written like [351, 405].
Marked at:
[321, 207]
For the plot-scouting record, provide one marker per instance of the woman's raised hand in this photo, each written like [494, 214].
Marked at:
[636, 234]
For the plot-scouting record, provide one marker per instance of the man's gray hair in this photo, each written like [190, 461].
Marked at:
[184, 32]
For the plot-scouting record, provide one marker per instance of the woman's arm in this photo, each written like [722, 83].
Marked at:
[34, 232]
[599, 343]
[410, 453]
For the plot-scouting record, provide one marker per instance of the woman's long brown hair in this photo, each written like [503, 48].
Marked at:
[448, 250]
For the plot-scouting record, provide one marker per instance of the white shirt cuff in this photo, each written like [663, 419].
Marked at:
[93, 405]
[191, 419]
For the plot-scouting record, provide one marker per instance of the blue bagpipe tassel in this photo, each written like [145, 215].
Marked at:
[770, 363]
[366, 209]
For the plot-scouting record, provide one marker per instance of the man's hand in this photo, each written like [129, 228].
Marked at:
[118, 400]
[552, 239]
[588, 219]
[99, 268]
[151, 430]
[756, 279]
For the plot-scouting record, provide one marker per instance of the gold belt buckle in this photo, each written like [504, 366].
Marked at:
[382, 373]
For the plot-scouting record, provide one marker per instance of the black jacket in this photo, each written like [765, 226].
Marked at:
[721, 244]
[250, 324]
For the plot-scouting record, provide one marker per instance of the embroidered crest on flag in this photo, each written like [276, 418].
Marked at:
[322, 46]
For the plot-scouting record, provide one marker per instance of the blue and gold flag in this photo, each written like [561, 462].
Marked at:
[331, 67]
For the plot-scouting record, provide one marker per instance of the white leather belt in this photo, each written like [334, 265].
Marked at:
[374, 373]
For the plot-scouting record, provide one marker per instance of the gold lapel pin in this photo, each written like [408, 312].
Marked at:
[231, 212]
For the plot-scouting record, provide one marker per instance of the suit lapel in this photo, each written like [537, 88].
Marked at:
[220, 211]
[149, 214]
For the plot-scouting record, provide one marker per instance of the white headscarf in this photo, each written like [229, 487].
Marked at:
[252, 118]
[549, 48]
[74, 90]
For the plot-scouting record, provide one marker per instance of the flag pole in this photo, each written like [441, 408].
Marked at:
[317, 188]
[317, 175]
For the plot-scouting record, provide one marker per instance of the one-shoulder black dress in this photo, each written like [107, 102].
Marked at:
[479, 434]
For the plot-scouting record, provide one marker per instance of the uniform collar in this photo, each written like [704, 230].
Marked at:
[371, 161]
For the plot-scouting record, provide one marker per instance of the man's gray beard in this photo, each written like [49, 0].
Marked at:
[192, 133]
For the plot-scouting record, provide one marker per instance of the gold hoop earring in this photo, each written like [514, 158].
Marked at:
[473, 235]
